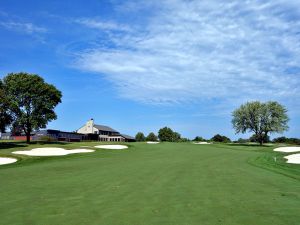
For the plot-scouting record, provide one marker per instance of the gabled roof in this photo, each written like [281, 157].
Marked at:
[127, 136]
[105, 128]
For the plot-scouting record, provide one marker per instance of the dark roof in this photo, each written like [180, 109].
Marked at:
[105, 128]
[127, 137]
[51, 131]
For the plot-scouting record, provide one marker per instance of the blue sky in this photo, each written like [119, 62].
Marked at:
[142, 65]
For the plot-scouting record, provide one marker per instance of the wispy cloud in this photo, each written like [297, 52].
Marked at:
[102, 25]
[198, 50]
[27, 28]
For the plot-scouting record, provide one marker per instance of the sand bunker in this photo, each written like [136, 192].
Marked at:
[152, 142]
[202, 143]
[51, 152]
[295, 158]
[287, 149]
[111, 146]
[4, 161]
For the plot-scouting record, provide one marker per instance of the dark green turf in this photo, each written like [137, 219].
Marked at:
[165, 184]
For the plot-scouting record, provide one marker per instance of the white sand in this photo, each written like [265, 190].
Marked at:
[287, 149]
[51, 152]
[4, 161]
[295, 158]
[202, 143]
[111, 146]
[152, 142]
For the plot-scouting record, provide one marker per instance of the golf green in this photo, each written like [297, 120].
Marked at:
[166, 183]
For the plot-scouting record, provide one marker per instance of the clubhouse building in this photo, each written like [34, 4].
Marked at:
[89, 131]
[103, 133]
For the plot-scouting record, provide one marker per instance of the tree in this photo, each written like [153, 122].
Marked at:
[151, 137]
[197, 138]
[254, 138]
[281, 140]
[183, 140]
[16, 130]
[165, 134]
[242, 140]
[31, 101]
[260, 118]
[220, 138]
[5, 117]
[176, 137]
[294, 141]
[140, 137]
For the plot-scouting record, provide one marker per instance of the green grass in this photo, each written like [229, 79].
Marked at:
[164, 184]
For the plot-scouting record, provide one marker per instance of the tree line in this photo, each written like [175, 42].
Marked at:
[261, 118]
[164, 134]
[140, 137]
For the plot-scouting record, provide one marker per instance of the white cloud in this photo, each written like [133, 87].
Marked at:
[27, 28]
[102, 25]
[197, 50]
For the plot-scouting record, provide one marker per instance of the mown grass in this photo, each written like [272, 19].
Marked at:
[178, 183]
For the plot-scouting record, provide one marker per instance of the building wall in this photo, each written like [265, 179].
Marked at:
[21, 138]
[6, 137]
[88, 128]
[111, 138]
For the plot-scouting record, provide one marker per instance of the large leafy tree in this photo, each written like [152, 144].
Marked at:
[5, 117]
[167, 134]
[260, 118]
[31, 101]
